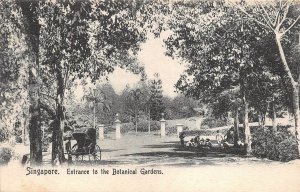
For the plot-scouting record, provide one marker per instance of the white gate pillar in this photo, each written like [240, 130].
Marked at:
[162, 126]
[118, 127]
[101, 131]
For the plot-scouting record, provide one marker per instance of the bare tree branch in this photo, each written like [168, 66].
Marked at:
[268, 20]
[280, 3]
[283, 58]
[285, 3]
[251, 17]
[277, 18]
[292, 25]
[284, 17]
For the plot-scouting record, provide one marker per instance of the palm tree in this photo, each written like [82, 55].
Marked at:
[96, 97]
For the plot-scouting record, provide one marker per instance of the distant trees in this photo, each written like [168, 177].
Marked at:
[181, 107]
[134, 104]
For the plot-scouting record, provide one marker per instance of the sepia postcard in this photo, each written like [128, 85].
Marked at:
[149, 95]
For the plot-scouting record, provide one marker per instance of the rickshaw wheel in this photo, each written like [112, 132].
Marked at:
[97, 153]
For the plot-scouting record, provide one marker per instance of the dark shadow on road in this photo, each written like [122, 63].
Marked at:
[161, 146]
[179, 151]
[111, 150]
[181, 154]
[98, 162]
[229, 151]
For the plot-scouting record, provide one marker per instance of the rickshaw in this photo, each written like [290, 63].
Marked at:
[86, 145]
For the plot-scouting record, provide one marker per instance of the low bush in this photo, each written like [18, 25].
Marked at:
[211, 122]
[127, 127]
[4, 134]
[279, 146]
[143, 126]
[173, 130]
[205, 132]
[46, 142]
[18, 139]
[6, 154]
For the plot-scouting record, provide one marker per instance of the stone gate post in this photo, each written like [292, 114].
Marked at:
[162, 126]
[101, 131]
[118, 127]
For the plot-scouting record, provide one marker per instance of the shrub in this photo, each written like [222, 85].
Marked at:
[211, 122]
[5, 155]
[46, 142]
[173, 130]
[279, 146]
[143, 126]
[127, 127]
[18, 139]
[3, 134]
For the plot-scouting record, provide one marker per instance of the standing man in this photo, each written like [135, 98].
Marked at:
[182, 136]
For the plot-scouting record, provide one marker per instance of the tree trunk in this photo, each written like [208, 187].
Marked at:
[274, 122]
[296, 113]
[57, 137]
[246, 127]
[294, 86]
[35, 134]
[32, 27]
[23, 125]
[136, 121]
[94, 112]
[263, 120]
[149, 123]
[236, 128]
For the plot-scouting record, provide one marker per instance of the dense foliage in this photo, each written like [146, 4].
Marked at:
[279, 146]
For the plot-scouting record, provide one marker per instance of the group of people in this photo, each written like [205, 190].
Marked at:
[197, 142]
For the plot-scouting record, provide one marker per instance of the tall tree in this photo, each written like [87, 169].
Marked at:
[156, 104]
[280, 18]
[13, 70]
[64, 42]
[32, 29]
